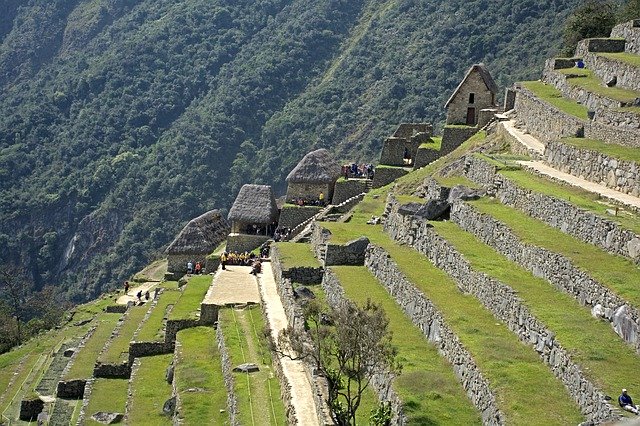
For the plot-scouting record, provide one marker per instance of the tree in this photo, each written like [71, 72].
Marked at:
[13, 289]
[595, 18]
[631, 10]
[348, 347]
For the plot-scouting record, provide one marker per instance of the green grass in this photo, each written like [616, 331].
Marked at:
[435, 144]
[118, 350]
[553, 96]
[451, 181]
[198, 367]
[296, 255]
[512, 368]
[612, 150]
[189, 303]
[108, 395]
[149, 391]
[615, 272]
[580, 198]
[629, 58]
[82, 367]
[592, 343]
[152, 328]
[427, 386]
[587, 80]
[258, 393]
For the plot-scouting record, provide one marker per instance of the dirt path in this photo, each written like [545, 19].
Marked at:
[301, 391]
[527, 140]
[235, 285]
[131, 295]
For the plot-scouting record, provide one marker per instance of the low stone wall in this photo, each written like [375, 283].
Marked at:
[348, 204]
[351, 253]
[227, 374]
[393, 148]
[381, 383]
[627, 76]
[515, 145]
[208, 314]
[245, 242]
[71, 389]
[630, 31]
[174, 326]
[454, 136]
[116, 309]
[292, 216]
[613, 134]
[553, 267]
[88, 389]
[563, 215]
[112, 371]
[385, 175]
[544, 121]
[346, 189]
[178, 262]
[615, 118]
[599, 45]
[141, 349]
[305, 275]
[591, 100]
[425, 156]
[292, 310]
[594, 166]
[427, 318]
[505, 305]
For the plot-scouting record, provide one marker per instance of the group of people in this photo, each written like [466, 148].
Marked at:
[354, 170]
[139, 294]
[301, 201]
[194, 268]
[281, 234]
[245, 259]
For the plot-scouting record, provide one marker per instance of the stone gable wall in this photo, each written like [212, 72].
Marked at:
[309, 191]
[393, 151]
[457, 109]
[453, 137]
[386, 175]
[560, 214]
[594, 166]
[543, 120]
[504, 303]
[630, 31]
[292, 216]
[425, 156]
[346, 189]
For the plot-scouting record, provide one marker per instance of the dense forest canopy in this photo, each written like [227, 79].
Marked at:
[122, 119]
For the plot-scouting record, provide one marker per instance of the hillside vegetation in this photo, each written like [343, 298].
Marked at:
[120, 120]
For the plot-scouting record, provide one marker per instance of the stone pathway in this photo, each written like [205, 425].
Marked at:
[603, 191]
[301, 390]
[525, 139]
[131, 295]
[235, 285]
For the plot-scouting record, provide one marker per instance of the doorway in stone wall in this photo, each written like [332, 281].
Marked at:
[471, 116]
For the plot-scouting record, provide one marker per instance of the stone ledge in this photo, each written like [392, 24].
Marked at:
[225, 359]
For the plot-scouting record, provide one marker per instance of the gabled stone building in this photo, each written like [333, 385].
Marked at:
[476, 92]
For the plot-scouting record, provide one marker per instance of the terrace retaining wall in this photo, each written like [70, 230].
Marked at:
[504, 303]
[227, 375]
[630, 31]
[346, 189]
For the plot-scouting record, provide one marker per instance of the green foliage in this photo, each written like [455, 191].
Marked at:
[631, 10]
[594, 18]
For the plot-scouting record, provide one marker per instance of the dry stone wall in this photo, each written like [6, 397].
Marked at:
[591, 100]
[454, 136]
[594, 166]
[618, 135]
[626, 75]
[225, 359]
[553, 267]
[346, 189]
[599, 45]
[386, 175]
[504, 303]
[292, 216]
[563, 215]
[630, 31]
[615, 118]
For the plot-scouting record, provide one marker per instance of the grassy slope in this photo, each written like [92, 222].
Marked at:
[615, 272]
[296, 255]
[189, 303]
[258, 393]
[118, 350]
[199, 367]
[427, 386]
[150, 330]
[629, 58]
[149, 391]
[590, 82]
[108, 395]
[593, 344]
[553, 96]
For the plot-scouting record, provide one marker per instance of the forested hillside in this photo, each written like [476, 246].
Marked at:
[122, 119]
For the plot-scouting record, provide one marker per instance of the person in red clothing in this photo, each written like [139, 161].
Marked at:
[198, 268]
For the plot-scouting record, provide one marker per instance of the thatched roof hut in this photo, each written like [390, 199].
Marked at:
[317, 167]
[201, 235]
[254, 204]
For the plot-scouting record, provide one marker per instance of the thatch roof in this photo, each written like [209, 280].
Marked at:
[254, 204]
[201, 235]
[318, 166]
[486, 77]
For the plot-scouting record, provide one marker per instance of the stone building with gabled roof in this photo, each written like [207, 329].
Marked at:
[253, 217]
[476, 92]
[316, 173]
[198, 238]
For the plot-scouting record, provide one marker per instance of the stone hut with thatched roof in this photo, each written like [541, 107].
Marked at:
[316, 173]
[476, 92]
[253, 217]
[197, 240]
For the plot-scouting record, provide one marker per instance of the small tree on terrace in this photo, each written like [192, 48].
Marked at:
[348, 352]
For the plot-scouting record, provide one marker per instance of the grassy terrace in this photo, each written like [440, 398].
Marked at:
[612, 150]
[258, 393]
[435, 145]
[151, 330]
[188, 306]
[629, 58]
[118, 350]
[586, 79]
[82, 367]
[297, 255]
[512, 368]
[615, 272]
[108, 395]
[451, 181]
[427, 386]
[198, 366]
[581, 198]
[593, 344]
[149, 391]
[550, 94]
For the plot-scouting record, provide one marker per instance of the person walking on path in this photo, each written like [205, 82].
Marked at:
[126, 287]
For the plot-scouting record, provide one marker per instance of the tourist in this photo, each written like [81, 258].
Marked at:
[626, 403]
[321, 198]
[147, 295]
[256, 268]
[126, 287]
[580, 63]
[189, 267]
[198, 268]
[223, 260]
[139, 296]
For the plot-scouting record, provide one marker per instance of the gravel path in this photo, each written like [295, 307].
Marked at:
[301, 391]
[131, 295]
[235, 285]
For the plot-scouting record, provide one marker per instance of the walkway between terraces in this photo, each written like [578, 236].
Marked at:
[301, 390]
[525, 139]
